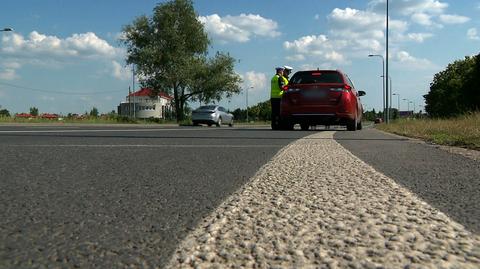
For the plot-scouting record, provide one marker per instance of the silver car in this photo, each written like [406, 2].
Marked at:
[212, 114]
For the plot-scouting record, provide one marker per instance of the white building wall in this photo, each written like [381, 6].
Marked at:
[145, 107]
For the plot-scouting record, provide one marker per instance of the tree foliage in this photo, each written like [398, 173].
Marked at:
[4, 113]
[170, 52]
[259, 112]
[94, 112]
[34, 111]
[455, 90]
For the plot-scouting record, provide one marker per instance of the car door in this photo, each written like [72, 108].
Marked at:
[225, 116]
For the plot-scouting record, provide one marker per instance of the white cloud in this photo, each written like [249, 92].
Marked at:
[453, 19]
[363, 30]
[316, 47]
[120, 72]
[256, 80]
[418, 37]
[317, 17]
[422, 19]
[86, 45]
[472, 34]
[353, 33]
[239, 28]
[411, 62]
[12, 64]
[295, 58]
[8, 74]
[409, 7]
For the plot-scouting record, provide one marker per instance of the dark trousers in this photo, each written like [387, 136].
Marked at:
[275, 102]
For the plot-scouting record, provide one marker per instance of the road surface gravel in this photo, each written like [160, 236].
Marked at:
[316, 205]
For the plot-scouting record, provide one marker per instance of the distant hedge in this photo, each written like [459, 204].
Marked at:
[456, 90]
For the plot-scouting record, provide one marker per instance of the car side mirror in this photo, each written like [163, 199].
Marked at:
[361, 93]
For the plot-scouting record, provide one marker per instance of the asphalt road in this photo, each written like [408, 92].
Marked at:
[114, 196]
[106, 197]
[448, 182]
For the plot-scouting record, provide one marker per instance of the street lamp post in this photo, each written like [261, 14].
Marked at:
[386, 66]
[389, 102]
[246, 99]
[408, 104]
[391, 97]
[383, 80]
[398, 101]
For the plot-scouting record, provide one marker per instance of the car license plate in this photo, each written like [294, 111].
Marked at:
[314, 94]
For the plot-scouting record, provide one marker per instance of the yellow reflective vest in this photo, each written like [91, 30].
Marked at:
[277, 83]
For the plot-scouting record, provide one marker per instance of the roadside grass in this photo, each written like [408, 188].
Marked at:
[89, 120]
[462, 131]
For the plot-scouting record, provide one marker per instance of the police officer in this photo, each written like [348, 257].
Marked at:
[276, 92]
[286, 72]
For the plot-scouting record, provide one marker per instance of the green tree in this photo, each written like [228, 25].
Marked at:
[94, 112]
[239, 114]
[4, 113]
[455, 90]
[34, 111]
[169, 50]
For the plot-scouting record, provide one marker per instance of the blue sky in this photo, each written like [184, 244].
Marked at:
[64, 56]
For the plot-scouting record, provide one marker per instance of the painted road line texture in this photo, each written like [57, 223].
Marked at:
[316, 205]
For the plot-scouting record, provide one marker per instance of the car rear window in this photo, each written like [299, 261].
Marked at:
[311, 77]
[207, 108]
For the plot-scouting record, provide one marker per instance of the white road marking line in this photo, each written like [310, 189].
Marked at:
[100, 130]
[316, 205]
[141, 146]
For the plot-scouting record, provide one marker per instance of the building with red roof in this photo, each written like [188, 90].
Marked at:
[144, 104]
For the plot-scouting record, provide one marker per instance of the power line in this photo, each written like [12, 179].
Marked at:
[56, 92]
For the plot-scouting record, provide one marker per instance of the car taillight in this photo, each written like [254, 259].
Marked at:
[285, 88]
[346, 88]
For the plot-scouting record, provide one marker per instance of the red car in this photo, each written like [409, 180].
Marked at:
[321, 97]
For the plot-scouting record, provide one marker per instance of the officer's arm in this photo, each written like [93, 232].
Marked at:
[280, 82]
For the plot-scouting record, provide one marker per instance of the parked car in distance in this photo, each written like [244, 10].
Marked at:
[212, 114]
[378, 120]
[321, 97]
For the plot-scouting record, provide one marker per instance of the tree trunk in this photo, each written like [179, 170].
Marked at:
[178, 110]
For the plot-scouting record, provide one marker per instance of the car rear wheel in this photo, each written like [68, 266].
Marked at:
[230, 124]
[195, 123]
[352, 125]
[304, 126]
[359, 126]
[219, 122]
[286, 125]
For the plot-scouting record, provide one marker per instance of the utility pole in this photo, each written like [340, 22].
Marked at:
[383, 81]
[386, 69]
[133, 88]
[398, 101]
[246, 97]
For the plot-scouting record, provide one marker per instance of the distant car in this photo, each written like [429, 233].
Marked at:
[378, 120]
[321, 97]
[212, 114]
